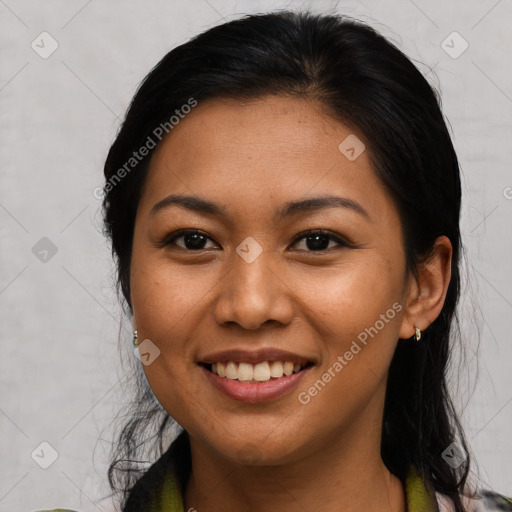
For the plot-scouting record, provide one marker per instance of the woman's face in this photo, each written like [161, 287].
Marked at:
[251, 287]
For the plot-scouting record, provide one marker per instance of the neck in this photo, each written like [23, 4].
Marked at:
[346, 474]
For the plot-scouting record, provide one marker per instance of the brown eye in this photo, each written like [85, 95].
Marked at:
[317, 241]
[192, 240]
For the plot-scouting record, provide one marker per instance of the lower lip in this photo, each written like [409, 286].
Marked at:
[255, 392]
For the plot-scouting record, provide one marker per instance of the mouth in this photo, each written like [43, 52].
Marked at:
[255, 377]
[260, 372]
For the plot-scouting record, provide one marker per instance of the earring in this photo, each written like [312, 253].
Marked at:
[417, 335]
[135, 338]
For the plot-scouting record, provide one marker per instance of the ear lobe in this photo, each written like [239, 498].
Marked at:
[412, 311]
[427, 292]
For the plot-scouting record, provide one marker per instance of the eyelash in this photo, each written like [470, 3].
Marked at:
[169, 239]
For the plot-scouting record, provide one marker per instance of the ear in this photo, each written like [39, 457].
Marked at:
[425, 294]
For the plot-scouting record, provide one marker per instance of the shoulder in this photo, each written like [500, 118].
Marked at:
[484, 500]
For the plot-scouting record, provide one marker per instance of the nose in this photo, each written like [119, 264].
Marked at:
[253, 294]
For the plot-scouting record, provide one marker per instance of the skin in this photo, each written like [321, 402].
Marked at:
[250, 158]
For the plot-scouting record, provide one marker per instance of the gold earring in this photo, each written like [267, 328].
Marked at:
[417, 335]
[135, 338]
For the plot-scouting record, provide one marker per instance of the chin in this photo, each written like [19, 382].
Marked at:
[258, 453]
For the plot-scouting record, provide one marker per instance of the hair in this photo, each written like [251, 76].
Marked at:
[366, 82]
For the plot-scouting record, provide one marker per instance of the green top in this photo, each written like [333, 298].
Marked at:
[170, 499]
[418, 498]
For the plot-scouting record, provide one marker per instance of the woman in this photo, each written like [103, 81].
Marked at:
[283, 203]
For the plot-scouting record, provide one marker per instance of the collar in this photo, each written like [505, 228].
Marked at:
[418, 498]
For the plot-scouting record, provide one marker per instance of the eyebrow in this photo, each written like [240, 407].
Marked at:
[199, 205]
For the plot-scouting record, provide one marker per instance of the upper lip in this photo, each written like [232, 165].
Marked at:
[254, 356]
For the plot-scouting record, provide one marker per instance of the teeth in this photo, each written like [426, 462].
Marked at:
[245, 371]
[232, 370]
[288, 368]
[276, 370]
[261, 372]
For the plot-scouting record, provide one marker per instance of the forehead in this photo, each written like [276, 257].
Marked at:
[261, 151]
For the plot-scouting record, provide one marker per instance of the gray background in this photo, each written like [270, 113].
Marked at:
[59, 315]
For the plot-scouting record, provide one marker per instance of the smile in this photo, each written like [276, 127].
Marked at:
[255, 383]
[254, 373]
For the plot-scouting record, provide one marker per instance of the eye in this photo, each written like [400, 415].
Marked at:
[319, 240]
[193, 240]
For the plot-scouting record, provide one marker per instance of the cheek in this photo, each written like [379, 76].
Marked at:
[163, 301]
[351, 298]
[164, 296]
[361, 323]
[358, 312]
